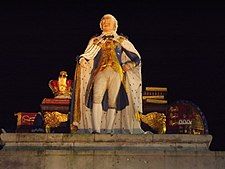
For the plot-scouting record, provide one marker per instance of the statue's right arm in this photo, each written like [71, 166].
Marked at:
[91, 50]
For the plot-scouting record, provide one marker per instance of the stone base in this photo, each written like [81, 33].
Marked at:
[102, 151]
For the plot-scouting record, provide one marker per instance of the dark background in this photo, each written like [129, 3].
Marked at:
[181, 44]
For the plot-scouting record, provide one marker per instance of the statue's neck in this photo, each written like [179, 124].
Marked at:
[108, 33]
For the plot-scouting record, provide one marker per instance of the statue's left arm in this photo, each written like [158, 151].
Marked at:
[131, 53]
[133, 81]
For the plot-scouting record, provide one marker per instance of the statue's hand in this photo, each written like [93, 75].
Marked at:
[128, 66]
[83, 62]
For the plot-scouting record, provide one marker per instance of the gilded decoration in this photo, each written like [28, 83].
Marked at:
[61, 88]
[155, 120]
[109, 57]
[186, 118]
[25, 118]
[54, 118]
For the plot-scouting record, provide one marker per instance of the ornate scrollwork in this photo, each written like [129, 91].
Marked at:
[54, 118]
[155, 120]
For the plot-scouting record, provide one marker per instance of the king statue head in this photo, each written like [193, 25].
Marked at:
[108, 24]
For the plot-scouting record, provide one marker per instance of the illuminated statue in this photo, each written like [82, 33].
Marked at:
[107, 91]
[61, 88]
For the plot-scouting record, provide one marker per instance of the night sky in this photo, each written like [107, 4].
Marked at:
[182, 45]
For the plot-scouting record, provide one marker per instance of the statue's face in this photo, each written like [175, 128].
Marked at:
[108, 24]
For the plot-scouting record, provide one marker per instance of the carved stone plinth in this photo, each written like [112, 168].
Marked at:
[55, 112]
[94, 151]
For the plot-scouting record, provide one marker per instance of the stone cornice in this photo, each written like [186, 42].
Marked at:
[178, 142]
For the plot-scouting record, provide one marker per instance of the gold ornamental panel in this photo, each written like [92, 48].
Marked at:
[54, 118]
[155, 120]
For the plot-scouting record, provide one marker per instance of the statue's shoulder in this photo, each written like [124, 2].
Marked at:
[121, 38]
[94, 39]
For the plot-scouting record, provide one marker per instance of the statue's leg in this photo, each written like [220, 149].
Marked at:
[111, 114]
[113, 90]
[96, 117]
[99, 88]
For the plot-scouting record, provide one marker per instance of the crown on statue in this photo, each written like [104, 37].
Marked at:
[62, 87]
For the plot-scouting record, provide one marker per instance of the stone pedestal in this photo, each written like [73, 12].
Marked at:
[102, 151]
[55, 112]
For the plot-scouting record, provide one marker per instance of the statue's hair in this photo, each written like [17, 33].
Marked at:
[111, 16]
